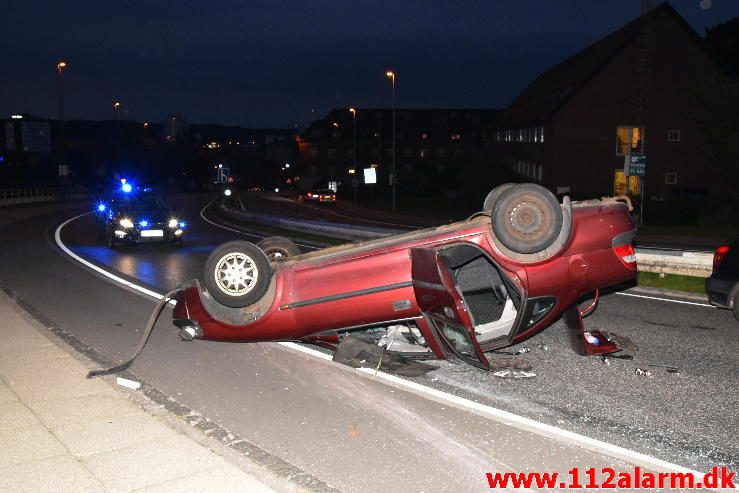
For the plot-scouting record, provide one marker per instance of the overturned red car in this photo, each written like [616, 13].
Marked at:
[491, 281]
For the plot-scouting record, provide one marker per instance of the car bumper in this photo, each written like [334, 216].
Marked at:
[142, 236]
[720, 292]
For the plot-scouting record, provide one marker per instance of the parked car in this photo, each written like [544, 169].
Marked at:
[462, 289]
[319, 196]
[722, 286]
[136, 215]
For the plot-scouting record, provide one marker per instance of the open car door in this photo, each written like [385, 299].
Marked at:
[441, 302]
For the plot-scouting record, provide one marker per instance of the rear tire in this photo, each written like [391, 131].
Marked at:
[278, 248]
[237, 274]
[494, 195]
[527, 218]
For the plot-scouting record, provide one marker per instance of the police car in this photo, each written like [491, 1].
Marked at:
[132, 214]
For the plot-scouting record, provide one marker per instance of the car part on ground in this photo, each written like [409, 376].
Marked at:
[237, 274]
[278, 248]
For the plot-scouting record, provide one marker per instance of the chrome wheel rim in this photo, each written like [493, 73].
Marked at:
[236, 274]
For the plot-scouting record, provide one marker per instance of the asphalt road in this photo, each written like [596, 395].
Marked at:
[360, 435]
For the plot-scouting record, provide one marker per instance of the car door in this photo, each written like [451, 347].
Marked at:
[440, 301]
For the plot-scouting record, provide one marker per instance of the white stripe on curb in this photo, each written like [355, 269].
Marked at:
[666, 299]
[500, 415]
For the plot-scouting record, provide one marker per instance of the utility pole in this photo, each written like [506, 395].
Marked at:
[62, 170]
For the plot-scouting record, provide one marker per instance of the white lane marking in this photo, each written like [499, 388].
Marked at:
[509, 418]
[100, 270]
[256, 235]
[666, 299]
[506, 417]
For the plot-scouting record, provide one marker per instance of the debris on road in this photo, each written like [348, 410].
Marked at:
[358, 353]
[510, 366]
[523, 350]
[543, 347]
[131, 384]
[643, 373]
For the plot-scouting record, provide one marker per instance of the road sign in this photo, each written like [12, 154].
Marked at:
[638, 166]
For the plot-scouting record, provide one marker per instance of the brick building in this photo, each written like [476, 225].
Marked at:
[632, 95]
[430, 144]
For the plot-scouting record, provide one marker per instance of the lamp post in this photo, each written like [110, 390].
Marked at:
[354, 149]
[61, 165]
[392, 76]
[116, 106]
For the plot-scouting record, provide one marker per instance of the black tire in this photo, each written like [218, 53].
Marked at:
[278, 248]
[237, 274]
[527, 218]
[494, 195]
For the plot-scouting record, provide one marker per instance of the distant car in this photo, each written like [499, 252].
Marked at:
[320, 196]
[461, 289]
[722, 286]
[137, 215]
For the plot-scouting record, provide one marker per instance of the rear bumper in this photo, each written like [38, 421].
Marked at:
[720, 292]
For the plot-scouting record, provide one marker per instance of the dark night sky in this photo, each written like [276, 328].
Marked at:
[279, 62]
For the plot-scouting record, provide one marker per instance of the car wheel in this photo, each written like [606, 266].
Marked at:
[278, 248]
[237, 274]
[527, 218]
[494, 195]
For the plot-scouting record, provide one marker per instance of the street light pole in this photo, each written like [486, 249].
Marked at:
[391, 74]
[61, 165]
[116, 105]
[354, 149]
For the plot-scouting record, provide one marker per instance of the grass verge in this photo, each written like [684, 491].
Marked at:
[672, 282]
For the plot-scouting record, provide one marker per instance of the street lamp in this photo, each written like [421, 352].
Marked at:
[392, 76]
[62, 170]
[116, 105]
[353, 111]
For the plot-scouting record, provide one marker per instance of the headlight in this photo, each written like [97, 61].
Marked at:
[126, 223]
[227, 192]
[173, 223]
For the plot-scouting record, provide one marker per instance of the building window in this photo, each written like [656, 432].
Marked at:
[670, 178]
[424, 136]
[407, 152]
[458, 153]
[312, 170]
[331, 154]
[349, 153]
[456, 136]
[629, 140]
[441, 152]
[422, 153]
[331, 171]
[313, 153]
[673, 136]
[497, 136]
[541, 134]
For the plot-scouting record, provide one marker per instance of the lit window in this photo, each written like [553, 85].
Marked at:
[629, 140]
[456, 136]
[424, 136]
[670, 178]
[673, 136]
[541, 134]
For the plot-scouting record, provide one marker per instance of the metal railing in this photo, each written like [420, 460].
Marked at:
[16, 196]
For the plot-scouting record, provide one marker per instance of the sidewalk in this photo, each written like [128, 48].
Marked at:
[62, 432]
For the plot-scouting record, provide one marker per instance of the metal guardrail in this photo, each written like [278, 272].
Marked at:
[17, 196]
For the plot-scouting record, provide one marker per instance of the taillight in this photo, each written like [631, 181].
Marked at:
[310, 195]
[718, 256]
[626, 254]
